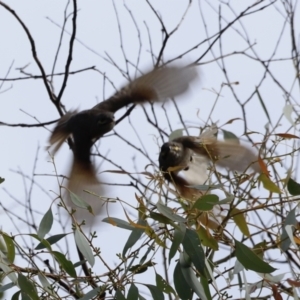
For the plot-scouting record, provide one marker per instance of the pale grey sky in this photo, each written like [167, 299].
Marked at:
[98, 29]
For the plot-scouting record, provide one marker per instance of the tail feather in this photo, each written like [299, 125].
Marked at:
[83, 178]
[61, 132]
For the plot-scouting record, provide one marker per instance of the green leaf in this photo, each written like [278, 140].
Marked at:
[293, 187]
[45, 283]
[160, 218]
[133, 293]
[50, 241]
[287, 112]
[175, 134]
[134, 236]
[228, 135]
[191, 278]
[263, 105]
[207, 239]
[177, 240]
[181, 286]
[9, 272]
[43, 242]
[163, 285]
[150, 248]
[80, 203]
[24, 296]
[169, 213]
[205, 286]
[192, 246]
[284, 238]
[16, 295]
[206, 202]
[6, 287]
[10, 247]
[119, 223]
[250, 260]
[268, 184]
[46, 224]
[240, 221]
[66, 264]
[226, 200]
[27, 287]
[119, 295]
[155, 292]
[1, 180]
[91, 294]
[84, 247]
[259, 248]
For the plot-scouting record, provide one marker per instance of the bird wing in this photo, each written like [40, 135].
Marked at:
[225, 154]
[156, 85]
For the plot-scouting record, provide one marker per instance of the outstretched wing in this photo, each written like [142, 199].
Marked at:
[225, 154]
[156, 85]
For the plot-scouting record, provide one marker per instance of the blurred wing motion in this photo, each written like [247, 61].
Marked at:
[184, 161]
[156, 85]
[87, 126]
[83, 178]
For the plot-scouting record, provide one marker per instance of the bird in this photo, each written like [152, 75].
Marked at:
[87, 126]
[184, 161]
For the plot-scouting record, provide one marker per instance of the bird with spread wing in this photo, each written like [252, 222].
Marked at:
[184, 161]
[87, 126]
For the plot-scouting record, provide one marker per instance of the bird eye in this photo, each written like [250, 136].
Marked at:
[102, 121]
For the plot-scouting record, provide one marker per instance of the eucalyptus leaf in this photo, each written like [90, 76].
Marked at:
[134, 236]
[66, 264]
[176, 134]
[84, 247]
[192, 246]
[293, 187]
[50, 241]
[284, 238]
[169, 213]
[177, 240]
[182, 288]
[119, 223]
[193, 281]
[80, 202]
[133, 292]
[206, 202]
[155, 292]
[10, 247]
[250, 260]
[27, 287]
[46, 224]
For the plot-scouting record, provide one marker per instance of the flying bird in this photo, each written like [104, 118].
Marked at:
[184, 161]
[87, 126]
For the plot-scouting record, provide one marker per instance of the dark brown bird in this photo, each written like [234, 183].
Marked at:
[87, 126]
[184, 161]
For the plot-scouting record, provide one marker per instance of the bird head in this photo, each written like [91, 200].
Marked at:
[173, 155]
